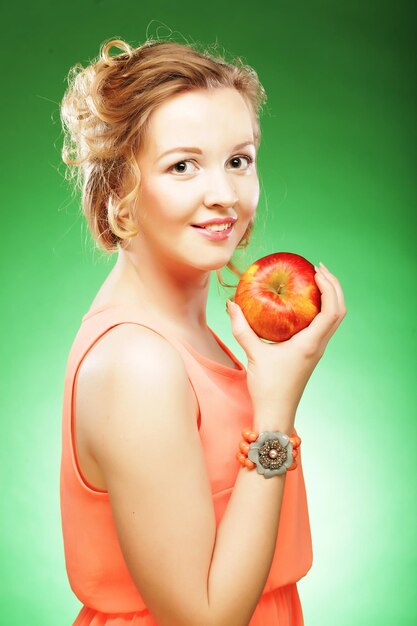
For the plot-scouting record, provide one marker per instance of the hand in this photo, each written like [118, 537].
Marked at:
[277, 373]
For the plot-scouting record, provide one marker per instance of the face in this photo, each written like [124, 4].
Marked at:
[197, 163]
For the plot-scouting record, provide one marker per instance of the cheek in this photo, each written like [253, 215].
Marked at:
[250, 198]
[155, 201]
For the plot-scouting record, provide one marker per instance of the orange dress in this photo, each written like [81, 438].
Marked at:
[96, 570]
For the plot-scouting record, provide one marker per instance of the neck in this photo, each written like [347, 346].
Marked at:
[178, 296]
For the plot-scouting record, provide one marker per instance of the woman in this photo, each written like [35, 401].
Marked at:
[161, 524]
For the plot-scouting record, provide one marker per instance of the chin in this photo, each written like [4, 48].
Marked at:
[215, 264]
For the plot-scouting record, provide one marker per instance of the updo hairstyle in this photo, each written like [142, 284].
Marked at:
[105, 112]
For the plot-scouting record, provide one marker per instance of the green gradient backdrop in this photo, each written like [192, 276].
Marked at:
[336, 165]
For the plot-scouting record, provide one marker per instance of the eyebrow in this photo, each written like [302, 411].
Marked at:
[198, 151]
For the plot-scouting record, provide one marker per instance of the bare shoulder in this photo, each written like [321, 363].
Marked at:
[126, 342]
[125, 359]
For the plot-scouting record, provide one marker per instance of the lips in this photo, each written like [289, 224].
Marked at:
[215, 227]
[216, 221]
[215, 234]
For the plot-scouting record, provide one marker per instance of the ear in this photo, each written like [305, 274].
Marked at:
[123, 214]
[127, 187]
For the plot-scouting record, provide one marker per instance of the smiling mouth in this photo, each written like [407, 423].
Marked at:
[216, 228]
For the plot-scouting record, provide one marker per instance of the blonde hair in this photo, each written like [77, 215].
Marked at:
[105, 112]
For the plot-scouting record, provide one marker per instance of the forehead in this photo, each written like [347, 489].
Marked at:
[198, 117]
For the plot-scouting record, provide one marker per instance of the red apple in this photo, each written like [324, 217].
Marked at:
[279, 295]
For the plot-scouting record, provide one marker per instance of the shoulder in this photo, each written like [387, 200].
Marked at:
[131, 343]
[128, 368]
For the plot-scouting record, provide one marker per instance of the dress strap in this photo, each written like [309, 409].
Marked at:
[115, 315]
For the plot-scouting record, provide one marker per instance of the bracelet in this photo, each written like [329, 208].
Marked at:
[271, 452]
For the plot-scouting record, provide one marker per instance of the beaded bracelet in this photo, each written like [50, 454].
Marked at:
[271, 452]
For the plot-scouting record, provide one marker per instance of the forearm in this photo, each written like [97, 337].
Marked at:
[245, 541]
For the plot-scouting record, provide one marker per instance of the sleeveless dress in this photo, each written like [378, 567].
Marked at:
[97, 572]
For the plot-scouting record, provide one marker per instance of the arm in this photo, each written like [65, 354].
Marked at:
[142, 429]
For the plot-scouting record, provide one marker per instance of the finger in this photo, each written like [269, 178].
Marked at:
[337, 286]
[241, 329]
[326, 320]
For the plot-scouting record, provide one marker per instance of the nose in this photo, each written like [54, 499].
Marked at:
[220, 190]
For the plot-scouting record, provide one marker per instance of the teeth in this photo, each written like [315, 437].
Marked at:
[218, 226]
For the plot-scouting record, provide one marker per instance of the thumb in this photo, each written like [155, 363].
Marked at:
[241, 329]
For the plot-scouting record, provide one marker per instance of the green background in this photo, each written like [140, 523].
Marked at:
[337, 164]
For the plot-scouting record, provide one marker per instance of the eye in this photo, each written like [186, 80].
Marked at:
[248, 158]
[182, 171]
[174, 168]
